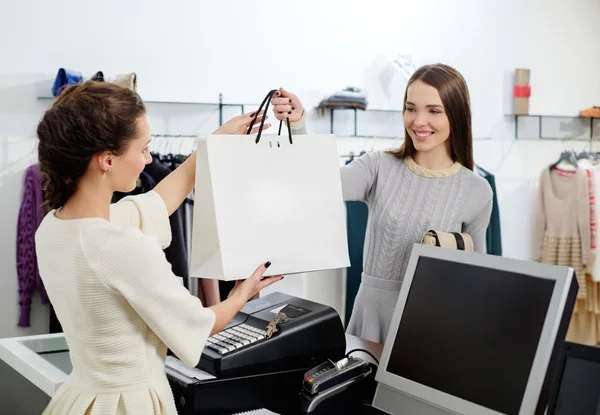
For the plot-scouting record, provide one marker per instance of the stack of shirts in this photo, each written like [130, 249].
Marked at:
[349, 97]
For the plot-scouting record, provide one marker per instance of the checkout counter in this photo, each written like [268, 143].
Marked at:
[257, 367]
[471, 334]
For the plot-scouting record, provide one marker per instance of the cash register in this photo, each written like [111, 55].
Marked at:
[275, 332]
[267, 347]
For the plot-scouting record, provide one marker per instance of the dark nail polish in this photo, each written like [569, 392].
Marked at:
[268, 264]
[293, 108]
[290, 100]
[253, 114]
[290, 112]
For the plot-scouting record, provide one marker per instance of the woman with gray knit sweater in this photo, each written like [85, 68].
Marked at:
[428, 183]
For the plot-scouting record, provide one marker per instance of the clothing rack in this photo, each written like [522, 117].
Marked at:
[167, 146]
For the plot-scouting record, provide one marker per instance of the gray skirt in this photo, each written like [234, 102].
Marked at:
[373, 308]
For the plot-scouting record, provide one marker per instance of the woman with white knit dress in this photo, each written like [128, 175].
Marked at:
[428, 183]
[103, 265]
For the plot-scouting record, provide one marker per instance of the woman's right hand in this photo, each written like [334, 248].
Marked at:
[250, 288]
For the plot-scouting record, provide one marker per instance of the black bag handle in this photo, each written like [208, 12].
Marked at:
[460, 242]
[267, 101]
[434, 234]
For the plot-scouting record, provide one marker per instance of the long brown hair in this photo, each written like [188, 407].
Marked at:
[85, 120]
[453, 91]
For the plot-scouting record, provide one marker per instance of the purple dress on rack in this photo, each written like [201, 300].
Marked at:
[30, 216]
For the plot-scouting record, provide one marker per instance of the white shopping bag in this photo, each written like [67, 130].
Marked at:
[278, 199]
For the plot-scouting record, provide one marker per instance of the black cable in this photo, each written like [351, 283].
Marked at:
[365, 351]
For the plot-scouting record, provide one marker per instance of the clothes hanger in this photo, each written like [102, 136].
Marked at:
[587, 155]
[565, 157]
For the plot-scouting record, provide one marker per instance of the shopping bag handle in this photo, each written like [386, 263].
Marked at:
[267, 101]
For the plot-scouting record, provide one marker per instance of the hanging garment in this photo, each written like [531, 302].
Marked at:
[585, 322]
[30, 217]
[55, 326]
[562, 224]
[593, 171]
[357, 214]
[493, 236]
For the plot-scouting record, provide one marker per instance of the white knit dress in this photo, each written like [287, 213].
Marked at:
[120, 306]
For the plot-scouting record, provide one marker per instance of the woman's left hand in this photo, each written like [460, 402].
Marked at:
[240, 124]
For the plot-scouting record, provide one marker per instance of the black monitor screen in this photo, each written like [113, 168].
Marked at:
[471, 332]
[579, 391]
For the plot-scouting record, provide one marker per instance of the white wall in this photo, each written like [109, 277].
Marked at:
[192, 51]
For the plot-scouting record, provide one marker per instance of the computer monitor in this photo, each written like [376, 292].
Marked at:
[576, 389]
[474, 334]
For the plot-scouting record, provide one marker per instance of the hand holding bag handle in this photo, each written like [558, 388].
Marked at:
[267, 100]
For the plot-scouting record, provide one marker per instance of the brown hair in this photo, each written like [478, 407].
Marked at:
[85, 120]
[453, 91]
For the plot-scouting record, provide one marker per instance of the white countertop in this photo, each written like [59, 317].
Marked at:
[21, 353]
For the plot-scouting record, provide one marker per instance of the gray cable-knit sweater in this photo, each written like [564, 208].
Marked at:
[405, 200]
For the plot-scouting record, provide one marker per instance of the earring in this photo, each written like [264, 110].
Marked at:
[109, 170]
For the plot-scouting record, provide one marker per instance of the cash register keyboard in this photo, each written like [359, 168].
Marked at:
[235, 338]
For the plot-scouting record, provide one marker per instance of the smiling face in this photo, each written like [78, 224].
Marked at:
[437, 118]
[425, 118]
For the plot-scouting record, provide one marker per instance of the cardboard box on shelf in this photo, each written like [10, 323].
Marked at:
[521, 106]
[522, 76]
[521, 91]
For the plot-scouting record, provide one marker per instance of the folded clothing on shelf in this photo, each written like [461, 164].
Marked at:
[98, 76]
[349, 97]
[592, 112]
[342, 104]
[65, 77]
[128, 80]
